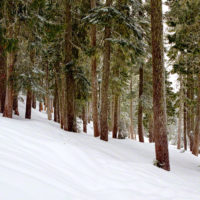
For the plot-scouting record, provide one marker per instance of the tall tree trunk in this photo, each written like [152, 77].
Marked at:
[28, 104]
[2, 80]
[132, 134]
[180, 113]
[192, 121]
[119, 119]
[70, 119]
[62, 103]
[48, 100]
[195, 149]
[140, 107]
[58, 92]
[49, 114]
[55, 103]
[189, 133]
[159, 100]
[94, 78]
[84, 118]
[185, 127]
[105, 82]
[8, 107]
[15, 104]
[116, 113]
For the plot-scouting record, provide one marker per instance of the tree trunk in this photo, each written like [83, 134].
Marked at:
[189, 133]
[159, 100]
[180, 113]
[115, 122]
[151, 135]
[33, 101]
[140, 107]
[185, 127]
[28, 104]
[94, 78]
[49, 114]
[132, 134]
[55, 103]
[195, 149]
[84, 118]
[105, 82]
[15, 104]
[70, 119]
[2, 80]
[40, 107]
[8, 107]
[47, 98]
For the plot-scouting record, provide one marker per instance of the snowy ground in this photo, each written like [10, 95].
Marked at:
[39, 161]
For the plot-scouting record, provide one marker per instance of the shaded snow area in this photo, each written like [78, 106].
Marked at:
[39, 161]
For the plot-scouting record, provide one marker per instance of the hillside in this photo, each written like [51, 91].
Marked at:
[40, 161]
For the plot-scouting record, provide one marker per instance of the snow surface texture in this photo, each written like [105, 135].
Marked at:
[39, 161]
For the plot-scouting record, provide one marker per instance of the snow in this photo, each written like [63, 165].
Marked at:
[39, 161]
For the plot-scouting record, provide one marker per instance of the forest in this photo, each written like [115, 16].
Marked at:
[115, 77]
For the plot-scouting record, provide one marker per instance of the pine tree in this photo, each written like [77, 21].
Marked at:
[159, 101]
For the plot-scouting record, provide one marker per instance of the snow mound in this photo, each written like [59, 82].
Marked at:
[39, 161]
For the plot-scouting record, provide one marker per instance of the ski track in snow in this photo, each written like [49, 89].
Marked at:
[39, 161]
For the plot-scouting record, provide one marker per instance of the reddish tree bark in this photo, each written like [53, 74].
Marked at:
[115, 121]
[28, 104]
[8, 107]
[94, 79]
[195, 149]
[189, 107]
[33, 101]
[2, 80]
[159, 100]
[185, 127]
[40, 106]
[105, 82]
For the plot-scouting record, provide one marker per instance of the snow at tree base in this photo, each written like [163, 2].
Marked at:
[39, 161]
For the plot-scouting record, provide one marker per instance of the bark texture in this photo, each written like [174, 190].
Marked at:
[8, 107]
[28, 104]
[69, 115]
[105, 82]
[94, 79]
[195, 149]
[189, 114]
[2, 80]
[185, 127]
[116, 120]
[140, 107]
[159, 101]
[40, 106]
[33, 101]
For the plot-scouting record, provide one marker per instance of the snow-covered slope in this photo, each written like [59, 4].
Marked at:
[39, 161]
